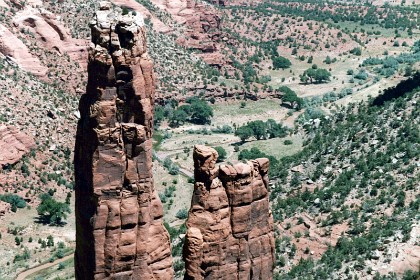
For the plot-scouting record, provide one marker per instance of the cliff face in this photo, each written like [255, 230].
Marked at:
[230, 227]
[120, 234]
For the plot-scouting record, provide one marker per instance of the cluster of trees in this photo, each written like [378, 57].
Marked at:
[270, 49]
[334, 143]
[14, 200]
[290, 97]
[196, 111]
[391, 64]
[315, 75]
[261, 130]
[395, 17]
[51, 211]
[249, 74]
[280, 62]
[255, 153]
[172, 167]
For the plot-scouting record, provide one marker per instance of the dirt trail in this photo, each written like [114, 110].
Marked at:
[26, 273]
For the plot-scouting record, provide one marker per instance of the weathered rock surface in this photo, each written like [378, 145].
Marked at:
[13, 145]
[158, 25]
[202, 24]
[230, 232]
[120, 233]
[50, 32]
[18, 52]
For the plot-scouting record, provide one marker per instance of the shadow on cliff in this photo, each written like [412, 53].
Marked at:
[398, 91]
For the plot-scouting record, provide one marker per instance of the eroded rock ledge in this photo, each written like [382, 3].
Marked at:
[230, 227]
[120, 233]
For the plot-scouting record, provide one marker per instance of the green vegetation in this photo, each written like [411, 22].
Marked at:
[362, 152]
[222, 153]
[196, 111]
[51, 211]
[315, 75]
[255, 153]
[261, 130]
[14, 200]
[291, 97]
[281, 62]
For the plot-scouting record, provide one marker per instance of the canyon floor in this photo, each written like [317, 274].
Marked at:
[43, 58]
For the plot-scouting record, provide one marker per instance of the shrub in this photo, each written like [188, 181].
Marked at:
[14, 200]
[182, 214]
[288, 142]
[222, 153]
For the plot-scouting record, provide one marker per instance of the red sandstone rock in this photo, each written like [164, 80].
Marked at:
[119, 228]
[13, 48]
[230, 233]
[13, 144]
[4, 208]
[50, 32]
[202, 22]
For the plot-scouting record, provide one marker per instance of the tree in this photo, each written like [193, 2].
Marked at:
[259, 129]
[222, 153]
[356, 51]
[159, 115]
[328, 60]
[179, 117]
[50, 241]
[317, 75]
[244, 132]
[292, 98]
[281, 62]
[255, 153]
[51, 211]
[275, 130]
[201, 112]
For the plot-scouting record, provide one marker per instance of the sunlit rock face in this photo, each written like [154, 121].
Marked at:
[230, 233]
[120, 232]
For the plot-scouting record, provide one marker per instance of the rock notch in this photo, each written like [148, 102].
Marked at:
[119, 228]
[230, 232]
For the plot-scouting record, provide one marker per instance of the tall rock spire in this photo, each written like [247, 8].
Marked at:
[230, 233]
[119, 228]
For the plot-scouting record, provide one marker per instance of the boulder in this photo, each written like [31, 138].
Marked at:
[14, 144]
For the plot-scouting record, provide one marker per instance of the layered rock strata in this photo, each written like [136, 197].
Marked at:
[119, 228]
[230, 227]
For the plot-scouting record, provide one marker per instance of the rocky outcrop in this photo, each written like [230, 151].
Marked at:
[156, 23]
[50, 32]
[119, 228]
[14, 144]
[17, 52]
[201, 22]
[230, 227]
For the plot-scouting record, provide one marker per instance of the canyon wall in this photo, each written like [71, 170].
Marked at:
[230, 232]
[119, 228]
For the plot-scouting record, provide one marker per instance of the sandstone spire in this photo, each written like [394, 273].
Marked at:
[230, 227]
[120, 234]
